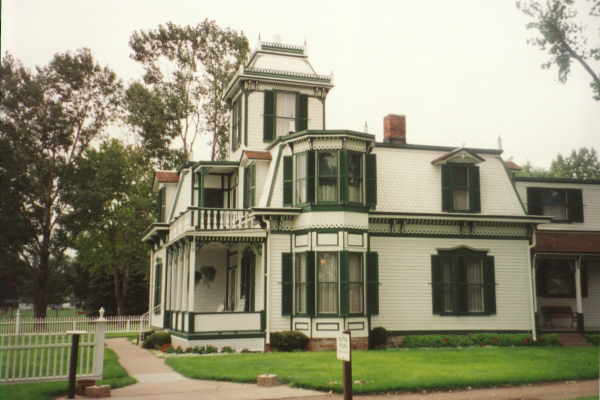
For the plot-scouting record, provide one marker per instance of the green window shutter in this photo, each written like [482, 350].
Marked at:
[437, 286]
[310, 177]
[446, 188]
[344, 287]
[247, 187]
[489, 279]
[234, 128]
[372, 283]
[534, 201]
[344, 176]
[310, 283]
[371, 184]
[301, 112]
[239, 122]
[575, 204]
[252, 185]
[288, 180]
[157, 284]
[159, 205]
[269, 117]
[474, 192]
[287, 287]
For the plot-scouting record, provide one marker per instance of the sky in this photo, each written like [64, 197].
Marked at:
[461, 71]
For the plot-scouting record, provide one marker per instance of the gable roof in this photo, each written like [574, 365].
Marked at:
[167, 176]
[462, 153]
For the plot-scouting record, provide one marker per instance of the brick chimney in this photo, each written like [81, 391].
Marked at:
[394, 129]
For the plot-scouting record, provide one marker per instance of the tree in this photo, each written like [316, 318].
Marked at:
[48, 118]
[581, 164]
[186, 71]
[562, 36]
[115, 182]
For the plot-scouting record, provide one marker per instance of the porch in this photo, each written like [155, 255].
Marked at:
[214, 288]
[567, 292]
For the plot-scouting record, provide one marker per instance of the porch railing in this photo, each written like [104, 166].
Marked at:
[212, 219]
[199, 322]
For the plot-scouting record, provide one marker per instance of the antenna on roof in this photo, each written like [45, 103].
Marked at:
[499, 142]
[305, 45]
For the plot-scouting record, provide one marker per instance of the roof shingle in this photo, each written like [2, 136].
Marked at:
[167, 176]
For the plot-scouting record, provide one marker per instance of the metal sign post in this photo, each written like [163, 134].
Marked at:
[73, 361]
[344, 353]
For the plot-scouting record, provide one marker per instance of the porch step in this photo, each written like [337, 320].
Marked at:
[572, 339]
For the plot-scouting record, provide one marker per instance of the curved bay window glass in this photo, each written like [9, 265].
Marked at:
[301, 178]
[327, 170]
[355, 174]
[300, 283]
[327, 275]
[355, 284]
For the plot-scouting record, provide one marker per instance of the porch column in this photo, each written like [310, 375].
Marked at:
[176, 265]
[580, 325]
[192, 276]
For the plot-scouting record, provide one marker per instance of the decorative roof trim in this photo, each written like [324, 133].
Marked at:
[321, 133]
[557, 180]
[434, 148]
[286, 74]
[465, 156]
[282, 47]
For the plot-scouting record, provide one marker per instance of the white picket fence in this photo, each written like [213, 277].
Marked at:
[38, 357]
[18, 324]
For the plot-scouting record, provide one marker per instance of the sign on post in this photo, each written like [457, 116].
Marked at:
[343, 347]
[344, 353]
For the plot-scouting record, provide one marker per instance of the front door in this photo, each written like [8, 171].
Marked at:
[247, 281]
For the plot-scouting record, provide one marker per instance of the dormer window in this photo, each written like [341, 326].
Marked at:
[460, 181]
[284, 112]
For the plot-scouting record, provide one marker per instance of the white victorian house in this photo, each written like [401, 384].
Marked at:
[315, 230]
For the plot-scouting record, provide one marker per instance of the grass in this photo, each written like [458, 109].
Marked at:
[402, 369]
[63, 312]
[114, 375]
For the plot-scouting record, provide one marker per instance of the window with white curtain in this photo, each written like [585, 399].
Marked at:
[327, 276]
[301, 178]
[327, 166]
[355, 284]
[285, 109]
[475, 293]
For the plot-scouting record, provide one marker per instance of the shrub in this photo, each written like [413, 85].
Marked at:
[479, 339]
[246, 351]
[171, 350]
[289, 341]
[593, 338]
[165, 347]
[179, 350]
[378, 337]
[227, 349]
[157, 339]
[210, 349]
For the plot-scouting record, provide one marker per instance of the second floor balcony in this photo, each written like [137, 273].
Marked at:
[212, 219]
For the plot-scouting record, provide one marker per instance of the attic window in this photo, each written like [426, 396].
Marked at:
[461, 156]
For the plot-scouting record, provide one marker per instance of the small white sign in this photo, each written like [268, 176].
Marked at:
[343, 347]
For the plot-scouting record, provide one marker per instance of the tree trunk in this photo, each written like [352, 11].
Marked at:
[119, 293]
[40, 295]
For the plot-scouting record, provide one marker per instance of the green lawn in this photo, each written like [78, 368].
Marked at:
[114, 375]
[402, 369]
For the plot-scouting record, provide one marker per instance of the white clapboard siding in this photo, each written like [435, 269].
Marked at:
[277, 244]
[405, 289]
[591, 204]
[408, 182]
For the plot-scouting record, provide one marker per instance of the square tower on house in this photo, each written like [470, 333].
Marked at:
[276, 93]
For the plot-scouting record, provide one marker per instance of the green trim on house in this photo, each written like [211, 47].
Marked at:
[435, 148]
[448, 236]
[321, 230]
[335, 207]
[456, 332]
[323, 132]
[216, 335]
[480, 216]
[282, 47]
[265, 72]
[557, 180]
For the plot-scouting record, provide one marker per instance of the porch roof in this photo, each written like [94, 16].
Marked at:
[567, 242]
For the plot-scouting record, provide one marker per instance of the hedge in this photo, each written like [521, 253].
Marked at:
[479, 339]
[593, 338]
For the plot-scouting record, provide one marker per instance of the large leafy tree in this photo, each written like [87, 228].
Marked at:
[48, 118]
[580, 164]
[563, 36]
[116, 181]
[186, 71]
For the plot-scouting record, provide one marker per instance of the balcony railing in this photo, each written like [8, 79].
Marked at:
[212, 219]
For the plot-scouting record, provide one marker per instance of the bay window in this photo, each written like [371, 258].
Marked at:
[301, 178]
[327, 170]
[327, 283]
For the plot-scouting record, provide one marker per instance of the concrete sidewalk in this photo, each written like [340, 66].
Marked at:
[156, 380]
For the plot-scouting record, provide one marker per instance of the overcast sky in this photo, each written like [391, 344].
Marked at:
[460, 70]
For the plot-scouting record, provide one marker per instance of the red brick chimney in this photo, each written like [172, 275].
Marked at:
[394, 129]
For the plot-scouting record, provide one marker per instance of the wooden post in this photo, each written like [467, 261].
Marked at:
[578, 295]
[98, 365]
[344, 353]
[73, 361]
